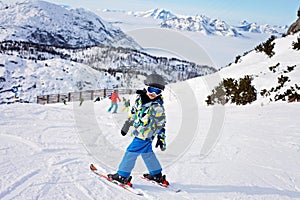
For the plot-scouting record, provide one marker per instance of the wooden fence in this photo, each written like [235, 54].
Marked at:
[78, 96]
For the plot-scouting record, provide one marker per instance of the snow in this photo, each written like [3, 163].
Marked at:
[221, 152]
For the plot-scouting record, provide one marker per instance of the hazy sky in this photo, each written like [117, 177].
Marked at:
[273, 12]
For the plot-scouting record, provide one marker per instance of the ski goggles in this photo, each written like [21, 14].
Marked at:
[154, 90]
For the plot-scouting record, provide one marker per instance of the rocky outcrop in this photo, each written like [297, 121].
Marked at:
[295, 27]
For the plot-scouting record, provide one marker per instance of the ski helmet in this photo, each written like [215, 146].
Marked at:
[155, 80]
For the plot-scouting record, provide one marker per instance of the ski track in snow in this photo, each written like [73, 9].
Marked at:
[18, 183]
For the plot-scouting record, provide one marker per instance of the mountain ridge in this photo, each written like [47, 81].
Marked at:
[202, 23]
[51, 24]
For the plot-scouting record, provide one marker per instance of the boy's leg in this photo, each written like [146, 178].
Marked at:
[152, 163]
[127, 164]
[129, 159]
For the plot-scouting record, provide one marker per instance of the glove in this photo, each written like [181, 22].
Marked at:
[161, 142]
[126, 127]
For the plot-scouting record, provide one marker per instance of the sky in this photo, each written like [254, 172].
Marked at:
[273, 12]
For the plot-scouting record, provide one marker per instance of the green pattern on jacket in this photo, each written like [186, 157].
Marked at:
[148, 119]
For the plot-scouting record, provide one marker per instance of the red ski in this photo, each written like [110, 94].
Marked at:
[166, 186]
[127, 187]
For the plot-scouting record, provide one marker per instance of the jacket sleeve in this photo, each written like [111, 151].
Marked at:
[159, 118]
[133, 110]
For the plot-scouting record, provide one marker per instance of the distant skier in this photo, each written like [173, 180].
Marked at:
[126, 105]
[64, 101]
[97, 99]
[148, 119]
[81, 101]
[114, 98]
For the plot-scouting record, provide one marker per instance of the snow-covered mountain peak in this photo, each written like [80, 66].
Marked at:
[157, 13]
[201, 23]
[254, 27]
[42, 22]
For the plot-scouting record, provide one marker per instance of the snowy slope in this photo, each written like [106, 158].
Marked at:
[46, 152]
[264, 70]
[53, 76]
[259, 66]
[47, 23]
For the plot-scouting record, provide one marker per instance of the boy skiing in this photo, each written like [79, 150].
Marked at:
[148, 119]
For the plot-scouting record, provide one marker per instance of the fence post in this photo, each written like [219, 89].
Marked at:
[58, 97]
[69, 97]
[104, 92]
[48, 98]
[92, 94]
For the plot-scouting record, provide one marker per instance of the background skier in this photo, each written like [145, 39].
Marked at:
[126, 105]
[114, 98]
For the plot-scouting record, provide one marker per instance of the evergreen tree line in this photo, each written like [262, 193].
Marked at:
[267, 47]
[239, 92]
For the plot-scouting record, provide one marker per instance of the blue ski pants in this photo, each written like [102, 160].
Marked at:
[139, 147]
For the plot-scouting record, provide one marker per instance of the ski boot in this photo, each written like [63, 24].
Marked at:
[120, 179]
[159, 178]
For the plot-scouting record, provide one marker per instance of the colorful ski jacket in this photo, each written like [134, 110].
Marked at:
[148, 118]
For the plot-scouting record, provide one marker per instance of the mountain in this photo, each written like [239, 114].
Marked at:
[157, 13]
[46, 23]
[201, 23]
[256, 28]
[206, 25]
[51, 44]
[39, 70]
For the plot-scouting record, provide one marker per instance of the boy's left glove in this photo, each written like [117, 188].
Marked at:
[161, 142]
[126, 127]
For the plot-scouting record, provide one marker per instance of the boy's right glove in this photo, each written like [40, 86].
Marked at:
[161, 142]
[126, 127]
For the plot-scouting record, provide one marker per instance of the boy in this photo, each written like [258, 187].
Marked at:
[148, 119]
